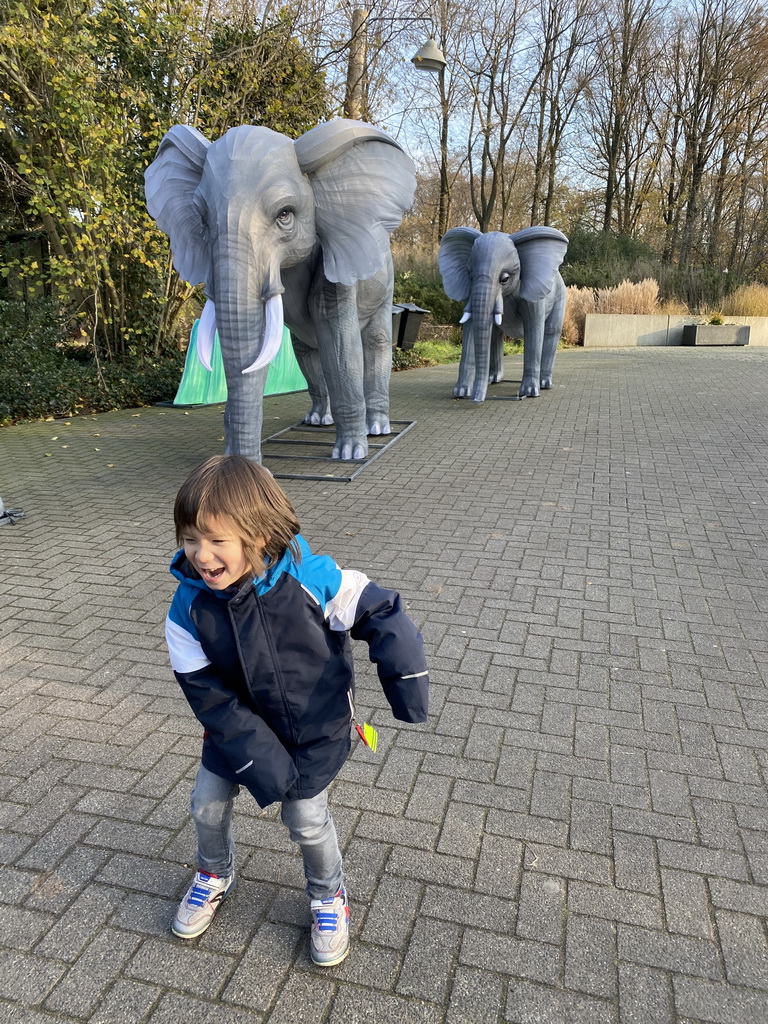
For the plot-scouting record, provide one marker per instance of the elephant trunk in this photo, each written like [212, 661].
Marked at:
[249, 320]
[249, 308]
[486, 310]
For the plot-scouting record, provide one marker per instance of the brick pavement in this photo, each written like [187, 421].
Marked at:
[579, 835]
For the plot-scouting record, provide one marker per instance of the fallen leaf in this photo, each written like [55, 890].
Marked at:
[55, 438]
[65, 446]
[97, 449]
[47, 455]
[110, 465]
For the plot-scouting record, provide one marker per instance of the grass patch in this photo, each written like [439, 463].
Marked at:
[439, 353]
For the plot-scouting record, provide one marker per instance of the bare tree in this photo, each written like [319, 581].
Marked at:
[564, 34]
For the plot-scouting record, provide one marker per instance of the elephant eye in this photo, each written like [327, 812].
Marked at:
[285, 216]
[504, 277]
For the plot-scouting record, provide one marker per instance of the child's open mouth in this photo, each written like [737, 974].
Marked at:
[211, 574]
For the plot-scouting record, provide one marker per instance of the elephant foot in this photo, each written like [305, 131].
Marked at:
[496, 378]
[528, 390]
[546, 383]
[378, 426]
[317, 418]
[351, 450]
[462, 391]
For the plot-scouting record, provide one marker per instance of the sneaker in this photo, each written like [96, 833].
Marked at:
[203, 899]
[329, 938]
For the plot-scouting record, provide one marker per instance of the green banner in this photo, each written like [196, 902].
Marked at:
[208, 387]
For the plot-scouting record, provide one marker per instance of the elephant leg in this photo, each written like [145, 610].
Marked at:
[532, 315]
[243, 414]
[548, 352]
[376, 337]
[334, 310]
[496, 362]
[466, 379]
[552, 330]
[308, 359]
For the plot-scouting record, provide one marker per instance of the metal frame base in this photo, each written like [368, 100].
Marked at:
[310, 442]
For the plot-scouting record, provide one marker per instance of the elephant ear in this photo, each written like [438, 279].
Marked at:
[363, 183]
[453, 261]
[541, 251]
[169, 184]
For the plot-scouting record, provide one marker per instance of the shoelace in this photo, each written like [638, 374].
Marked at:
[327, 920]
[200, 893]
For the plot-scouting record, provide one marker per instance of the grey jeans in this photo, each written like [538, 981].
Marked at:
[309, 824]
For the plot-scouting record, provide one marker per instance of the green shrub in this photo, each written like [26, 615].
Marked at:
[427, 294]
[43, 373]
[406, 359]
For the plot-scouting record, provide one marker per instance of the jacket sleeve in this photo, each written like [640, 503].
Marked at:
[253, 752]
[395, 645]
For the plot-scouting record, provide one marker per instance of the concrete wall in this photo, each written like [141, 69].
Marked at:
[628, 330]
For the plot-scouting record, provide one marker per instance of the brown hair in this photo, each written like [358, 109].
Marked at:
[248, 495]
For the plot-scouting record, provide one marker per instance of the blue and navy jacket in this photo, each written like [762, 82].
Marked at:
[267, 668]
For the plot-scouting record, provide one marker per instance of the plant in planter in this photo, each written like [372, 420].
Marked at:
[715, 332]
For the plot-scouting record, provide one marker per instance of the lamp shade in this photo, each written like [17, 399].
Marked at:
[429, 58]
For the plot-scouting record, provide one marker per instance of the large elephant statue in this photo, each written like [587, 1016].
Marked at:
[514, 288]
[296, 232]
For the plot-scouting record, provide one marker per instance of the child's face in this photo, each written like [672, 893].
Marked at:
[216, 552]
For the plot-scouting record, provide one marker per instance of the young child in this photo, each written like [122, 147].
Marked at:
[258, 640]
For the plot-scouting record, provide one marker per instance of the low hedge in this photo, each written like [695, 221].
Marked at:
[72, 388]
[43, 374]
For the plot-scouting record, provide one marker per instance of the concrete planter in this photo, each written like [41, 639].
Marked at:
[715, 334]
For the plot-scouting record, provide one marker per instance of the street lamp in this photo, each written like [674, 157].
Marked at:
[430, 58]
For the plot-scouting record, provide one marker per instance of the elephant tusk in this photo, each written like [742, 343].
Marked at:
[206, 330]
[497, 318]
[273, 333]
[498, 312]
[466, 316]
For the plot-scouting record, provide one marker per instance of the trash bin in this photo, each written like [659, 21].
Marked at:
[397, 322]
[410, 323]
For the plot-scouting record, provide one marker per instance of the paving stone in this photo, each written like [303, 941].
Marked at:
[77, 994]
[25, 979]
[686, 903]
[426, 971]
[590, 956]
[743, 942]
[392, 913]
[527, 1003]
[126, 1002]
[670, 953]
[635, 864]
[697, 999]
[475, 997]
[645, 996]
[174, 1008]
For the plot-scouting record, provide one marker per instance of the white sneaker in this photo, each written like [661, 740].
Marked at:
[199, 906]
[329, 938]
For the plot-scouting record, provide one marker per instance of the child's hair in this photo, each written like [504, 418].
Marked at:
[248, 495]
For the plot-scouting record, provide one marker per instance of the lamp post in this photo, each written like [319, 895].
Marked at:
[430, 59]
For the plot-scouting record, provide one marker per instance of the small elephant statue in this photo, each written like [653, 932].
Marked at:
[297, 233]
[514, 288]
